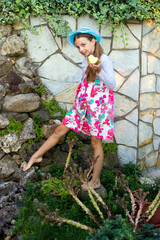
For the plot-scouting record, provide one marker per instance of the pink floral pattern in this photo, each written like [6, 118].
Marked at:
[92, 113]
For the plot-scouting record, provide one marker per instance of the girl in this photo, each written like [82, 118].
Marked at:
[92, 111]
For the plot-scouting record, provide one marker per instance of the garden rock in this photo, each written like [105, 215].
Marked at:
[13, 142]
[7, 167]
[7, 214]
[21, 103]
[3, 122]
[2, 91]
[5, 30]
[18, 116]
[13, 46]
[5, 68]
[25, 67]
[42, 113]
[83, 195]
[111, 160]
[26, 176]
[11, 82]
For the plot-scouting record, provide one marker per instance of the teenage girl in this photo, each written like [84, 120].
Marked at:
[92, 111]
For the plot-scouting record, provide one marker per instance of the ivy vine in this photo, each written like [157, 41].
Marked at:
[114, 11]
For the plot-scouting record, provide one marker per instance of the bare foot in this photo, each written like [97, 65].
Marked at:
[92, 185]
[31, 162]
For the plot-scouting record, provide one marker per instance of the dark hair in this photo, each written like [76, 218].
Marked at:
[98, 51]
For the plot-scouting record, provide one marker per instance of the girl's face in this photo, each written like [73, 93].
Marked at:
[85, 46]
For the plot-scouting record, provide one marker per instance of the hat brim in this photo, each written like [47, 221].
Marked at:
[71, 36]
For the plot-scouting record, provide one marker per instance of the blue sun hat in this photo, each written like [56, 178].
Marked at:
[86, 30]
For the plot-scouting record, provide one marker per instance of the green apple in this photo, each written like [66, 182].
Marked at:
[92, 59]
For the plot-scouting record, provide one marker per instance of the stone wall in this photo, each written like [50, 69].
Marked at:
[137, 72]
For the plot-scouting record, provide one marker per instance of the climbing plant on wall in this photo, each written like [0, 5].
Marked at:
[113, 11]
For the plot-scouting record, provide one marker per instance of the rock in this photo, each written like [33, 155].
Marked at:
[8, 213]
[5, 30]
[26, 176]
[57, 115]
[25, 88]
[3, 122]
[111, 160]
[5, 68]
[2, 91]
[6, 188]
[1, 154]
[18, 116]
[7, 167]
[25, 67]
[26, 153]
[121, 133]
[83, 195]
[28, 131]
[48, 129]
[21, 103]
[11, 82]
[13, 142]
[42, 113]
[13, 46]
[84, 156]
[146, 180]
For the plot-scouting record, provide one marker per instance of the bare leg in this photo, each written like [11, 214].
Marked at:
[49, 143]
[98, 152]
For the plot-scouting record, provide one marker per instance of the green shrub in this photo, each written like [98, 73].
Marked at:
[14, 126]
[115, 229]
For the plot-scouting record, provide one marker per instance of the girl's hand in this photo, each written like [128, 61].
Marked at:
[97, 67]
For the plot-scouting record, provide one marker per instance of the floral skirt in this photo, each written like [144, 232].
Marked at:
[92, 111]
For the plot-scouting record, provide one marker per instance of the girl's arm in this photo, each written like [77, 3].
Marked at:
[107, 72]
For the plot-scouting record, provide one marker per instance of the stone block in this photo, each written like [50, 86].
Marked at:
[150, 42]
[153, 65]
[66, 70]
[133, 116]
[147, 116]
[126, 62]
[156, 125]
[126, 155]
[123, 105]
[145, 150]
[21, 103]
[149, 100]
[145, 133]
[86, 20]
[135, 30]
[148, 83]
[132, 42]
[119, 81]
[121, 133]
[131, 87]
[13, 46]
[106, 45]
[37, 49]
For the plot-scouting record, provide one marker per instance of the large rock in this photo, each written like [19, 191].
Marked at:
[121, 133]
[5, 30]
[7, 167]
[5, 68]
[13, 46]
[123, 105]
[25, 67]
[17, 116]
[42, 113]
[11, 82]
[7, 214]
[21, 103]
[13, 142]
[3, 122]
